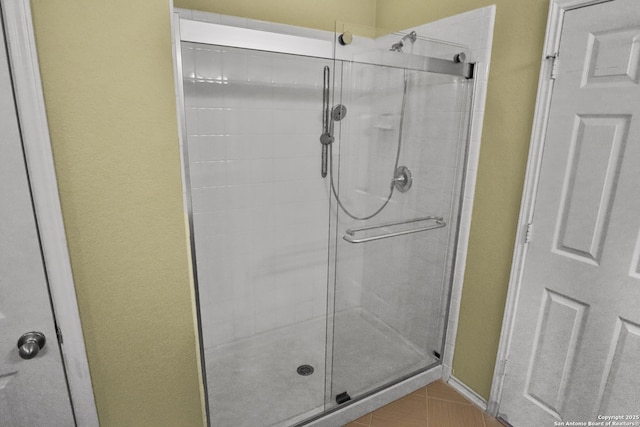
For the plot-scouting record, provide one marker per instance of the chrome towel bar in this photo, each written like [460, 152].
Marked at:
[438, 222]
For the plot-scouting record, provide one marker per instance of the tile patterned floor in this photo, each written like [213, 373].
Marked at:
[437, 405]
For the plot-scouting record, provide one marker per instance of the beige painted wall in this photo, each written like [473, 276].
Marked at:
[108, 83]
[321, 15]
[515, 65]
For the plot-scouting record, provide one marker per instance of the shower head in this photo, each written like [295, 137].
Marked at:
[397, 47]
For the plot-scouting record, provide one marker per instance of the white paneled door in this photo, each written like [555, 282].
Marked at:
[33, 391]
[575, 346]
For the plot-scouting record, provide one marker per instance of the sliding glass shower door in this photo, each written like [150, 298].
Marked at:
[260, 216]
[399, 155]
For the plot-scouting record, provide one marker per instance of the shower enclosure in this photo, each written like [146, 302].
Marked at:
[323, 183]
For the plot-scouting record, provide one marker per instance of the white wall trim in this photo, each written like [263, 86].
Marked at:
[557, 8]
[23, 60]
[480, 52]
[469, 394]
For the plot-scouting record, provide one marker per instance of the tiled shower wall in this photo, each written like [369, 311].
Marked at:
[430, 149]
[368, 133]
[407, 292]
[260, 207]
[404, 283]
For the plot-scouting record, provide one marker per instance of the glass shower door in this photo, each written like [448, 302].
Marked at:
[399, 155]
[260, 212]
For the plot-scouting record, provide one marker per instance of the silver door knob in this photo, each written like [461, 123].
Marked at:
[30, 344]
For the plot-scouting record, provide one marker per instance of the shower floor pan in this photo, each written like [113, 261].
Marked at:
[254, 383]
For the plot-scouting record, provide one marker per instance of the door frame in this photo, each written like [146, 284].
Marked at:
[34, 129]
[557, 9]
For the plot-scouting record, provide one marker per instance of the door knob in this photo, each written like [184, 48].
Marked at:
[30, 344]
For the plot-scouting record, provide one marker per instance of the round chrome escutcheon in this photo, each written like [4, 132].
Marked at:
[402, 179]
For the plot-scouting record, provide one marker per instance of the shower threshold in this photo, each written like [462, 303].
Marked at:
[254, 382]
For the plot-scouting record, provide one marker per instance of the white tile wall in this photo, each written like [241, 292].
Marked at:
[396, 271]
[404, 280]
[260, 207]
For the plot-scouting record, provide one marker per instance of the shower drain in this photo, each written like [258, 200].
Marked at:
[305, 370]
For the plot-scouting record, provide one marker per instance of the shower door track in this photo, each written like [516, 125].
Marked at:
[224, 35]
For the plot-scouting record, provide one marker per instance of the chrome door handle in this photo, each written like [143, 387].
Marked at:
[30, 344]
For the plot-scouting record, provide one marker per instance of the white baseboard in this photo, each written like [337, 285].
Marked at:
[469, 394]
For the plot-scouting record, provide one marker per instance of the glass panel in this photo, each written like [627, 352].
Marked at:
[260, 216]
[391, 293]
